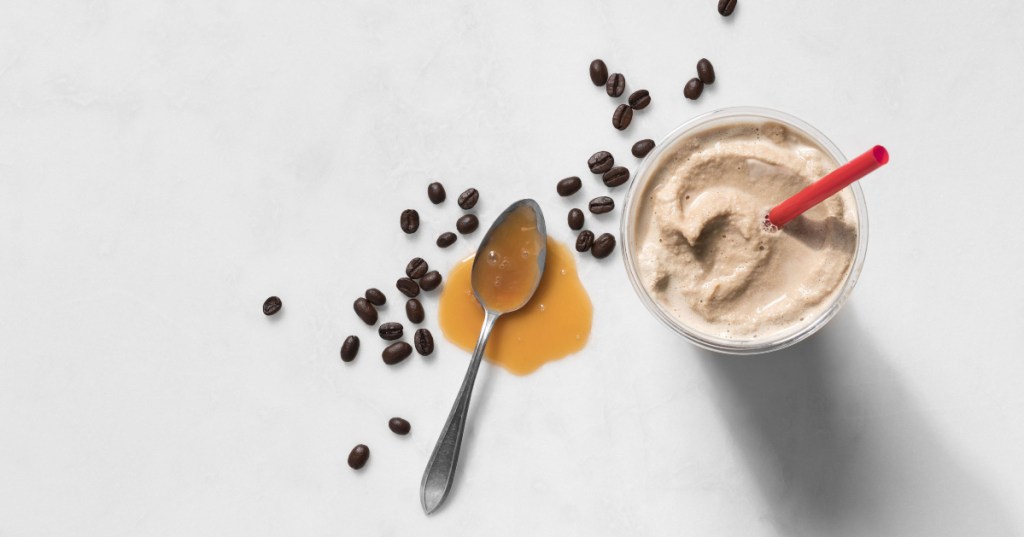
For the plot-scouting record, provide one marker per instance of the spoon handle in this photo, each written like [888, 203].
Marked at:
[440, 472]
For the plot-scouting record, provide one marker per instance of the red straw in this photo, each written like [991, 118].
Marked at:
[821, 189]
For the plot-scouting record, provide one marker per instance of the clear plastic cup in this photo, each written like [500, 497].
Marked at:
[712, 342]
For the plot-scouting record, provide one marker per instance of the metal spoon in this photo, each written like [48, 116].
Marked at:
[440, 471]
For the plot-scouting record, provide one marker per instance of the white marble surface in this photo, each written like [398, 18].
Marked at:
[165, 166]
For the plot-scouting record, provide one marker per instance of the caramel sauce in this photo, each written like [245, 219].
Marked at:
[507, 275]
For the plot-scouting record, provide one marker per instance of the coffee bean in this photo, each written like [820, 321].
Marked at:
[350, 348]
[639, 99]
[584, 240]
[705, 71]
[601, 162]
[436, 193]
[424, 342]
[408, 287]
[271, 305]
[601, 205]
[358, 456]
[575, 219]
[569, 186]
[376, 297]
[390, 331]
[399, 426]
[416, 268]
[467, 224]
[468, 199]
[622, 117]
[726, 7]
[616, 85]
[365, 311]
[410, 221]
[615, 176]
[641, 148]
[693, 89]
[603, 246]
[396, 352]
[414, 311]
[446, 239]
[598, 72]
[430, 280]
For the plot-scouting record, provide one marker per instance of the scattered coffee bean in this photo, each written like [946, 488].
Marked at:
[424, 342]
[603, 246]
[446, 239]
[396, 352]
[390, 331]
[622, 117]
[410, 221]
[350, 348]
[430, 280]
[408, 287]
[601, 205]
[414, 311]
[569, 186]
[615, 177]
[726, 7]
[416, 268]
[584, 240]
[365, 311]
[399, 426]
[616, 85]
[358, 456]
[575, 219]
[601, 162]
[436, 193]
[639, 99]
[271, 305]
[693, 89]
[705, 71]
[641, 148]
[467, 224]
[376, 297]
[598, 72]
[468, 199]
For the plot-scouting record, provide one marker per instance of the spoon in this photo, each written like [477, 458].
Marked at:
[506, 271]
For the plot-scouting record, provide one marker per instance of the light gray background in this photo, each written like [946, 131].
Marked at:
[165, 166]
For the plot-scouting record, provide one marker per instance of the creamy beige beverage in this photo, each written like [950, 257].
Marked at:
[702, 249]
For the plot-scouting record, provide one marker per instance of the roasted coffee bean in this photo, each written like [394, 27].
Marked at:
[467, 224]
[376, 297]
[641, 148]
[616, 85]
[416, 268]
[350, 348]
[598, 72]
[436, 193]
[705, 71]
[584, 240]
[601, 162]
[622, 117]
[569, 186]
[575, 219]
[693, 89]
[358, 456]
[615, 176]
[446, 239]
[390, 331]
[639, 99]
[726, 7]
[408, 287]
[424, 342]
[468, 199]
[601, 205]
[414, 311]
[430, 280]
[410, 221]
[365, 311]
[396, 352]
[399, 426]
[603, 246]
[271, 305]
